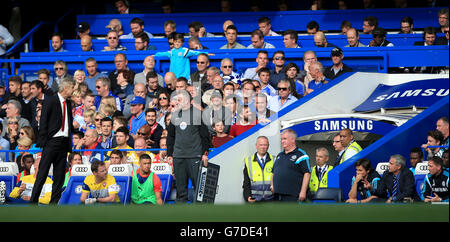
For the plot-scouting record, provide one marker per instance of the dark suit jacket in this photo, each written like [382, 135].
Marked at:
[406, 185]
[51, 120]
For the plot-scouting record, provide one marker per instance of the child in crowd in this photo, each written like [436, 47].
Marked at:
[88, 120]
[221, 137]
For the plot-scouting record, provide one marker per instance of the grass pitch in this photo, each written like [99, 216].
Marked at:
[230, 213]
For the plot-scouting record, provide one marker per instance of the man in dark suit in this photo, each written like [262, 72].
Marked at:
[54, 138]
[397, 182]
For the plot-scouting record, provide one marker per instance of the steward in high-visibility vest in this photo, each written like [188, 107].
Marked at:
[352, 149]
[257, 177]
[319, 179]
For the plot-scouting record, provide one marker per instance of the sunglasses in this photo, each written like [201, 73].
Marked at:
[59, 69]
[279, 58]
[228, 67]
[163, 98]
[282, 89]
[143, 134]
[97, 87]
[13, 122]
[98, 119]
[112, 37]
[201, 62]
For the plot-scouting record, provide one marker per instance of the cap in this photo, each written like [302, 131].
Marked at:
[83, 26]
[336, 51]
[379, 32]
[137, 100]
[216, 93]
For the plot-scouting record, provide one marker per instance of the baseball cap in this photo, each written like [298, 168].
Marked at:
[137, 100]
[336, 51]
[83, 26]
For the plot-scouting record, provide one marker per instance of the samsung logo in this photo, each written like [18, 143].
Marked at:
[334, 125]
[413, 93]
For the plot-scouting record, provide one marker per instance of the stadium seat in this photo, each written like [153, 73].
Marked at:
[8, 174]
[420, 172]
[382, 167]
[72, 193]
[328, 195]
[123, 175]
[422, 168]
[164, 172]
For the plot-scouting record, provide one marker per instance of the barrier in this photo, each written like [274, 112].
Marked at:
[212, 43]
[246, 22]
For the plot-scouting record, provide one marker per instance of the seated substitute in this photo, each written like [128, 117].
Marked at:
[364, 183]
[144, 190]
[435, 188]
[99, 187]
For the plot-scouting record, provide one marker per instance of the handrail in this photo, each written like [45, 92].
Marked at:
[425, 154]
[23, 40]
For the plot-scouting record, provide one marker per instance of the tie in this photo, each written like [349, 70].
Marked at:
[63, 116]
[395, 188]
[320, 174]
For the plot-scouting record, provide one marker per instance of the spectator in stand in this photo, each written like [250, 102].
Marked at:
[319, 174]
[231, 36]
[90, 142]
[291, 171]
[122, 136]
[86, 43]
[262, 59]
[220, 136]
[161, 157]
[370, 23]
[226, 66]
[297, 86]
[312, 28]
[6, 39]
[98, 116]
[284, 98]
[76, 137]
[153, 89]
[115, 158]
[397, 183]
[321, 41]
[435, 188]
[351, 147]
[444, 40]
[61, 72]
[143, 190]
[28, 162]
[103, 87]
[84, 29]
[316, 71]
[278, 73]
[211, 74]
[11, 133]
[258, 42]
[116, 25]
[25, 90]
[13, 110]
[79, 76]
[106, 138]
[290, 39]
[443, 20]
[429, 37]
[170, 26]
[196, 29]
[266, 27]
[198, 78]
[365, 183]
[258, 173]
[345, 26]
[125, 85]
[44, 77]
[264, 77]
[93, 74]
[228, 89]
[415, 157]
[149, 66]
[137, 26]
[99, 187]
[113, 42]
[195, 44]
[262, 112]
[57, 43]
[74, 158]
[353, 38]
[142, 42]
[154, 130]
[406, 25]
[379, 38]
[167, 6]
[140, 90]
[282, 5]
[139, 146]
[246, 120]
[138, 119]
[162, 108]
[225, 26]
[179, 57]
[215, 112]
[338, 68]
[4, 145]
[443, 127]
[88, 103]
[231, 103]
[435, 138]
[226, 6]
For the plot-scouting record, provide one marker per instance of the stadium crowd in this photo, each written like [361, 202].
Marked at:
[141, 109]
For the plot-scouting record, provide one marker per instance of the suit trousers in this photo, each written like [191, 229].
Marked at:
[54, 152]
[185, 169]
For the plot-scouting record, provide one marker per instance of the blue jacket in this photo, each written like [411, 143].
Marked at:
[179, 60]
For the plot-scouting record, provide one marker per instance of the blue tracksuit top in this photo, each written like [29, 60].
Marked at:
[179, 60]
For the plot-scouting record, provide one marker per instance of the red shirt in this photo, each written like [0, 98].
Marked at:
[238, 129]
[157, 187]
[218, 141]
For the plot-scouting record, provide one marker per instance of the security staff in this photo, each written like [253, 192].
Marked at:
[351, 147]
[319, 175]
[258, 173]
[291, 170]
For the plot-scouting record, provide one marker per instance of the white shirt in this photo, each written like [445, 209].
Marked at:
[64, 133]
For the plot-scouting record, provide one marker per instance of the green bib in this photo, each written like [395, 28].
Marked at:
[141, 193]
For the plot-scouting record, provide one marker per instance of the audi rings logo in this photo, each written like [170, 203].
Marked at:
[423, 168]
[4, 169]
[81, 169]
[159, 168]
[384, 167]
[118, 169]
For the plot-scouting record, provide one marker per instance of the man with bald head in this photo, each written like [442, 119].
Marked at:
[353, 38]
[149, 65]
[86, 43]
[351, 147]
[140, 90]
[170, 80]
[321, 41]
[226, 24]
[90, 142]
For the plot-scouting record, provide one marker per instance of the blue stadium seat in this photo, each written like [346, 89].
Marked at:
[382, 167]
[122, 173]
[330, 195]
[164, 172]
[8, 174]
[419, 182]
[72, 193]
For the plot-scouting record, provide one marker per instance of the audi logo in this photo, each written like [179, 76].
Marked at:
[159, 168]
[81, 169]
[423, 168]
[118, 169]
[4, 169]
[384, 167]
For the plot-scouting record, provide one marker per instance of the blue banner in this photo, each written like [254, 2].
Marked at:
[337, 124]
[421, 94]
